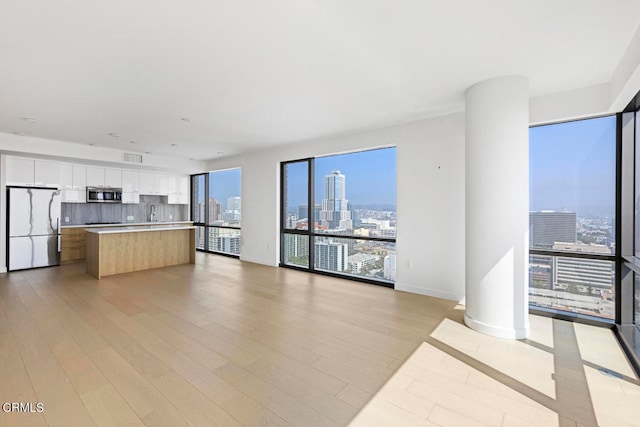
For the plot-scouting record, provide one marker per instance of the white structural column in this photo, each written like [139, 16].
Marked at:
[497, 207]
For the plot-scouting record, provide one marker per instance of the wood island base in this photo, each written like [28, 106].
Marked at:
[114, 252]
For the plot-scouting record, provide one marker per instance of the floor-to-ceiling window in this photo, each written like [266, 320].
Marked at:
[339, 215]
[628, 313]
[636, 234]
[198, 192]
[217, 211]
[572, 218]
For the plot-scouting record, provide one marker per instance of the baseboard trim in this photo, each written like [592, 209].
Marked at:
[496, 331]
[270, 263]
[428, 292]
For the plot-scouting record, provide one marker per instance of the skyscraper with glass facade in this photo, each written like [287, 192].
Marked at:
[336, 211]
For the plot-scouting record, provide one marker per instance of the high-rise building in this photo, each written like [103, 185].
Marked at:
[549, 227]
[201, 217]
[336, 211]
[215, 210]
[389, 271]
[541, 271]
[225, 241]
[330, 255]
[358, 263]
[291, 221]
[198, 211]
[231, 217]
[234, 204]
[303, 212]
[296, 246]
[589, 275]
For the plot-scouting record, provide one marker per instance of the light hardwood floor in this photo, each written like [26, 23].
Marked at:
[228, 343]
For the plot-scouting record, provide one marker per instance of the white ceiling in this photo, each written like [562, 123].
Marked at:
[253, 73]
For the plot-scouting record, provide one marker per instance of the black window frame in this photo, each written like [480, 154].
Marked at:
[203, 221]
[627, 325]
[616, 258]
[311, 233]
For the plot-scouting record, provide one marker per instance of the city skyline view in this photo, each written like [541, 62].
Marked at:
[335, 213]
[572, 209]
[371, 180]
[222, 186]
[222, 208]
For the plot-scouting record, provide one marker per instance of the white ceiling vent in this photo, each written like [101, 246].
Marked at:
[132, 158]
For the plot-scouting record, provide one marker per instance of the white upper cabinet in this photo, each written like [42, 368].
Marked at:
[95, 176]
[178, 190]
[66, 176]
[183, 184]
[73, 182]
[172, 184]
[80, 177]
[46, 174]
[113, 178]
[154, 183]
[20, 171]
[146, 183]
[29, 172]
[130, 181]
[161, 184]
[104, 177]
[130, 186]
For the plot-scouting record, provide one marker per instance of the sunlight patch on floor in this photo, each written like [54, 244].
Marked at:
[433, 388]
[523, 362]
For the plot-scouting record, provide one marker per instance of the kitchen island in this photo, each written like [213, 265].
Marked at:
[74, 241]
[115, 250]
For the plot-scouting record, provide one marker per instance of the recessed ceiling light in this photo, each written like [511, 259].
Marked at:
[93, 145]
[132, 142]
[20, 133]
[29, 119]
[186, 119]
[147, 152]
[174, 145]
[114, 135]
[220, 152]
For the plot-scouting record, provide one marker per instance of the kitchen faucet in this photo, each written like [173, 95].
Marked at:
[152, 216]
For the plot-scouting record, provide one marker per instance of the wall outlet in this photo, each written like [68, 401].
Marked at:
[170, 216]
[129, 217]
[66, 219]
[407, 263]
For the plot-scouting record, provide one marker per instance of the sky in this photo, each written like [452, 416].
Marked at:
[572, 166]
[370, 177]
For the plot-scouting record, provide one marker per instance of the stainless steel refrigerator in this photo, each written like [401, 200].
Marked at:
[33, 227]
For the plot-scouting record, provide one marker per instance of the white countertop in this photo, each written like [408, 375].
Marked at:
[126, 224]
[138, 228]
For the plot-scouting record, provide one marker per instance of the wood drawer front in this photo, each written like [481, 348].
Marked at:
[73, 244]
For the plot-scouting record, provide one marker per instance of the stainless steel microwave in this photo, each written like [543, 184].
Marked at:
[104, 195]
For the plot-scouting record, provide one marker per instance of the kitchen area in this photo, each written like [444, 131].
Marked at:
[51, 208]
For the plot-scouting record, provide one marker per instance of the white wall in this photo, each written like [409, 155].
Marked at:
[430, 199]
